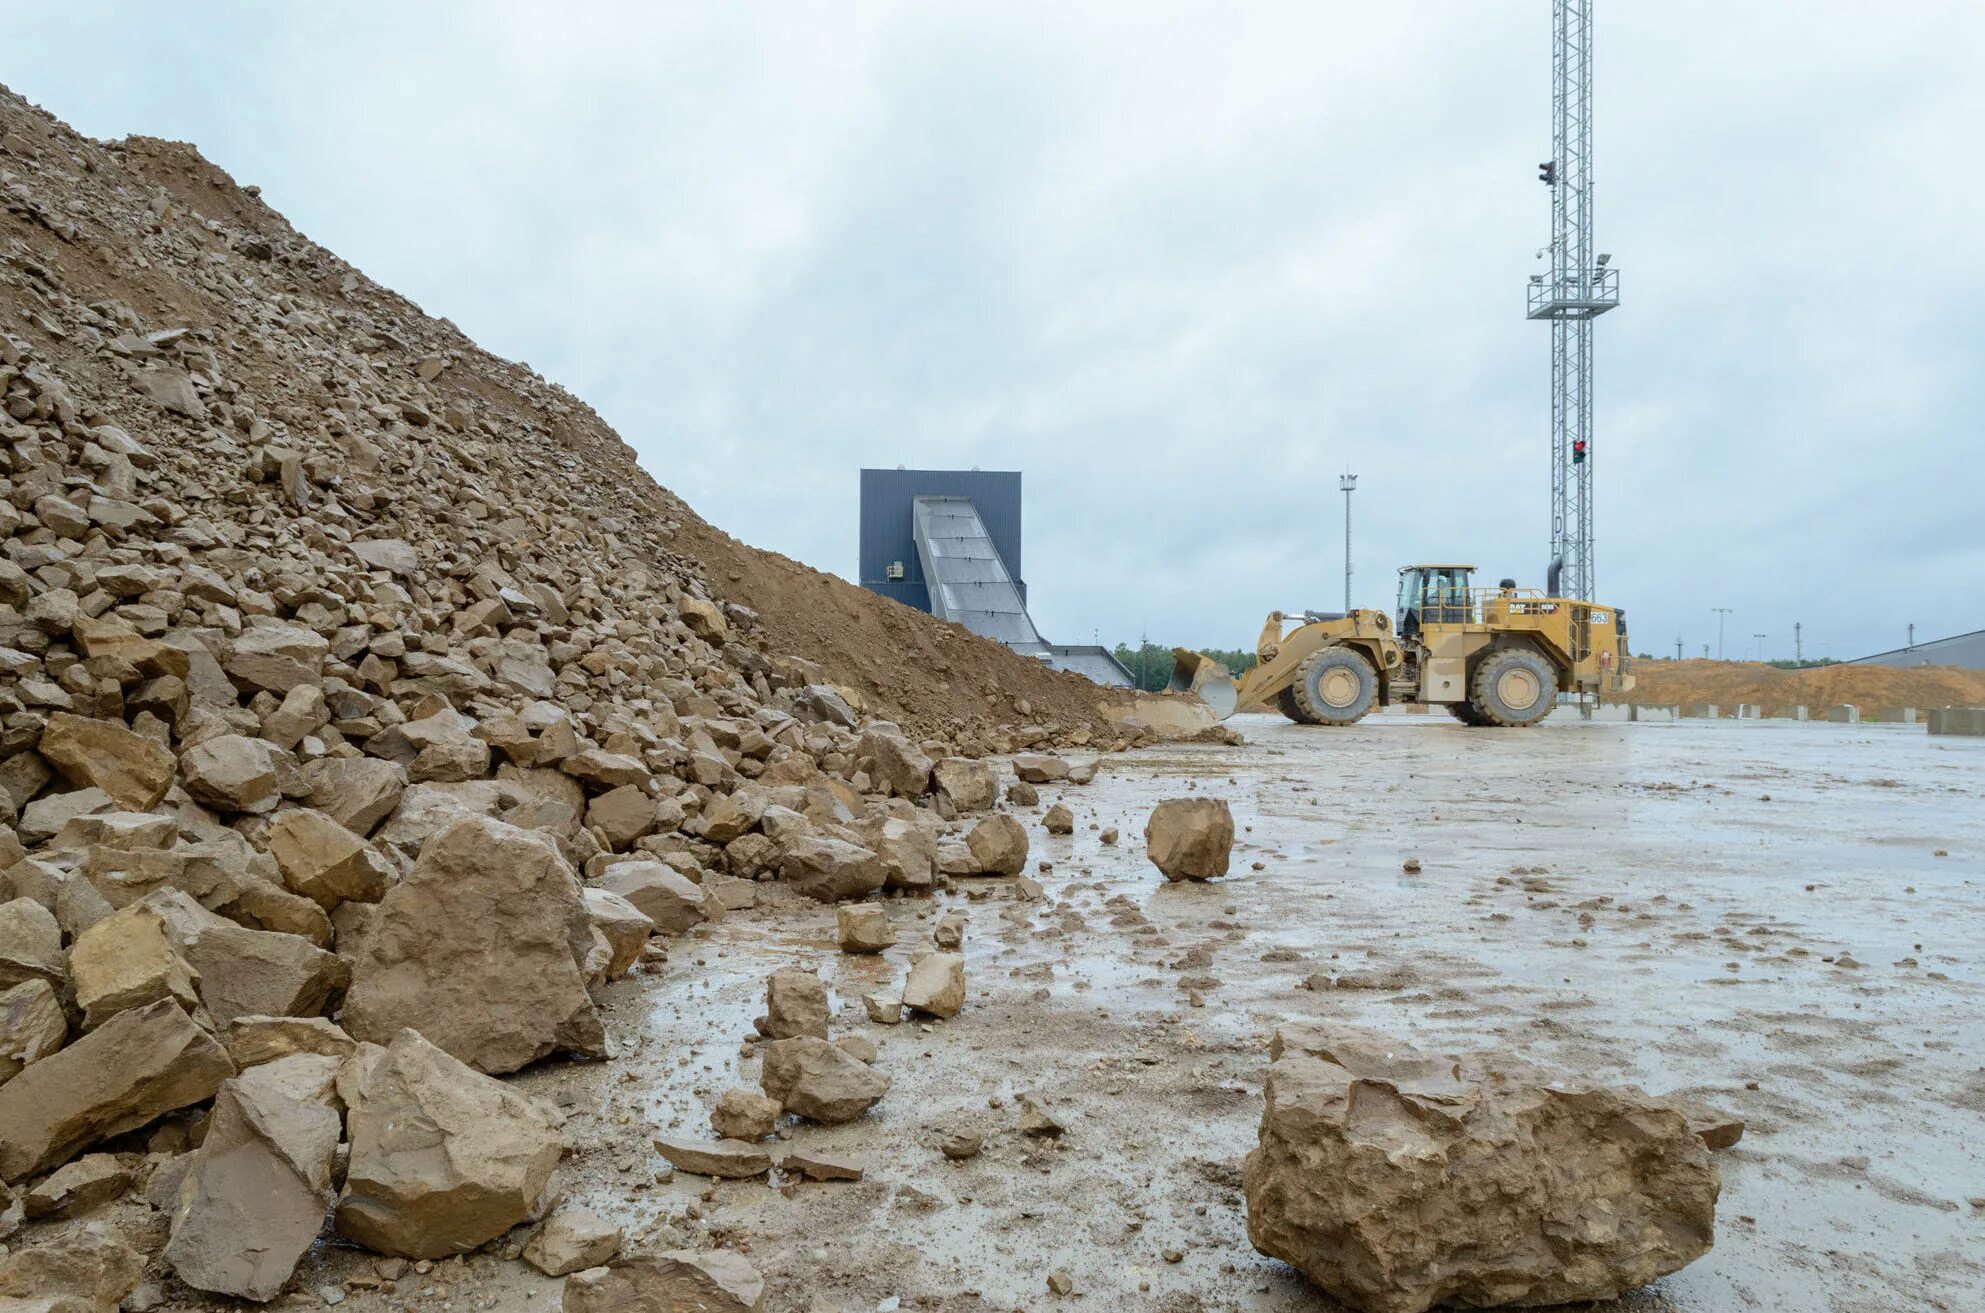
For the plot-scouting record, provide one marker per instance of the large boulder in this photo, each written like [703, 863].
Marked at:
[820, 1081]
[443, 1160]
[1398, 1181]
[479, 949]
[907, 850]
[255, 1196]
[1190, 838]
[623, 926]
[829, 869]
[251, 973]
[968, 785]
[134, 770]
[675, 1281]
[325, 862]
[998, 845]
[137, 1066]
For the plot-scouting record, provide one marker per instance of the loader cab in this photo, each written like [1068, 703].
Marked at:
[1433, 595]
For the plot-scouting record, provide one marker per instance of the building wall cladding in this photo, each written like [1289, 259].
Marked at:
[1964, 650]
[887, 536]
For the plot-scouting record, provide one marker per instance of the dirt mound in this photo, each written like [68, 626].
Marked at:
[244, 267]
[1727, 683]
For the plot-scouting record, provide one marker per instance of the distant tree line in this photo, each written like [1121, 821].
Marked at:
[1151, 665]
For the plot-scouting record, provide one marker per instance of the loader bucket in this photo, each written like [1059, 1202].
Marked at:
[1204, 678]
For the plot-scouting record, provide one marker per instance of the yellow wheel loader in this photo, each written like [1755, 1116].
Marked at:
[1491, 656]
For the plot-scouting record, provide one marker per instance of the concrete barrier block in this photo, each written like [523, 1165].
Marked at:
[1749, 711]
[1702, 711]
[1969, 721]
[1800, 713]
[1846, 713]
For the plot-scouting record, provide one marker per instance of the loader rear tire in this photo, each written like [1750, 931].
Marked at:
[1335, 686]
[1465, 713]
[1513, 688]
[1287, 704]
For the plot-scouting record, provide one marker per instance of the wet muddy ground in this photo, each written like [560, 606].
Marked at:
[1783, 919]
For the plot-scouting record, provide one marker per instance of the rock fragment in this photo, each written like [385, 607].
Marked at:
[571, 1240]
[998, 845]
[863, 928]
[742, 1114]
[134, 770]
[32, 1026]
[443, 1158]
[1059, 820]
[676, 1281]
[968, 785]
[1190, 838]
[137, 1066]
[813, 1079]
[936, 986]
[795, 1004]
[730, 1159]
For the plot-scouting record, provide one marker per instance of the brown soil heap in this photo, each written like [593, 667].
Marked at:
[1727, 683]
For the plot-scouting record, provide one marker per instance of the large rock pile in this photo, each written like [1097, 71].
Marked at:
[1398, 1181]
[351, 675]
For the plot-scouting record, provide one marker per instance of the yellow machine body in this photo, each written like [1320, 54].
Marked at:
[1491, 656]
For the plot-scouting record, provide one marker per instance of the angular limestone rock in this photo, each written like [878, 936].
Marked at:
[892, 761]
[32, 1026]
[75, 1188]
[863, 928]
[829, 869]
[730, 1159]
[571, 1240]
[479, 950]
[443, 1159]
[1398, 1181]
[137, 1066]
[662, 894]
[744, 1115]
[968, 785]
[676, 1281]
[936, 985]
[624, 927]
[1190, 838]
[325, 862]
[1040, 768]
[356, 792]
[255, 1196]
[30, 943]
[81, 1270]
[134, 770]
[998, 845]
[1059, 820]
[813, 1079]
[232, 773]
[795, 1004]
[125, 961]
[254, 1040]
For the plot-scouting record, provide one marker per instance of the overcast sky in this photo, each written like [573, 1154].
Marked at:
[1181, 266]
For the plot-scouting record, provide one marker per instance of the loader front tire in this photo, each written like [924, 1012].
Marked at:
[1513, 688]
[1335, 686]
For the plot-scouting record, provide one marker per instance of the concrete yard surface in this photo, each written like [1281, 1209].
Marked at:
[1781, 919]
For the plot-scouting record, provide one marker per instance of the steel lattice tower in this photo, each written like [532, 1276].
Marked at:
[1579, 288]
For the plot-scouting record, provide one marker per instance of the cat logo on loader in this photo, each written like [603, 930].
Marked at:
[1492, 656]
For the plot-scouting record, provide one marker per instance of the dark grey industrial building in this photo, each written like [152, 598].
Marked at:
[948, 542]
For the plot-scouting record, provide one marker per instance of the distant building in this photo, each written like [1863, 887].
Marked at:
[1966, 650]
[948, 542]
